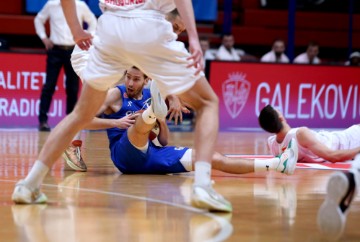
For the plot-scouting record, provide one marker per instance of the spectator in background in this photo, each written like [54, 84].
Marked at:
[276, 54]
[59, 47]
[227, 52]
[354, 59]
[310, 56]
[205, 47]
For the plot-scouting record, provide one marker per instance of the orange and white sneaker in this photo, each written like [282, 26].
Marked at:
[73, 158]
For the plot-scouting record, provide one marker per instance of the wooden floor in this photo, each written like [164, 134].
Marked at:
[104, 205]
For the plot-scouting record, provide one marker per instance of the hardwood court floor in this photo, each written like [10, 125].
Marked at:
[103, 205]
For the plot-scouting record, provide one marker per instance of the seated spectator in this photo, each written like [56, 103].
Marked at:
[310, 56]
[276, 54]
[354, 59]
[205, 47]
[227, 52]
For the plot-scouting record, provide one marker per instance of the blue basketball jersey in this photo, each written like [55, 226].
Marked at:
[127, 158]
[129, 106]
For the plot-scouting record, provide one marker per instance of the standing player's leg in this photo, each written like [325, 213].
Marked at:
[340, 191]
[204, 101]
[27, 190]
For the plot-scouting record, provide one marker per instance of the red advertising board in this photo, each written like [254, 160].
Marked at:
[313, 96]
[21, 80]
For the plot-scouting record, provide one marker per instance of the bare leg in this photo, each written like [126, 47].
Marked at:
[204, 101]
[240, 165]
[232, 165]
[86, 108]
[138, 133]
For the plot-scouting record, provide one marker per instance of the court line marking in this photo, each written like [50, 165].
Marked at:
[226, 227]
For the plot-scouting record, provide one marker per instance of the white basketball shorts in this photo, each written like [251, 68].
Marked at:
[146, 41]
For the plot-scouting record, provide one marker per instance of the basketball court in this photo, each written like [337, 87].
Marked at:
[105, 205]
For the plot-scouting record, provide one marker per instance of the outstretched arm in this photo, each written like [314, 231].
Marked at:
[81, 37]
[306, 139]
[122, 123]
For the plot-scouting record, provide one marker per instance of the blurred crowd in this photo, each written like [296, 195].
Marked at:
[276, 54]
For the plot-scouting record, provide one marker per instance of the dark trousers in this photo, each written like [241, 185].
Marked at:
[58, 57]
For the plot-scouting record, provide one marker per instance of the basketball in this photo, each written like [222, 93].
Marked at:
[154, 132]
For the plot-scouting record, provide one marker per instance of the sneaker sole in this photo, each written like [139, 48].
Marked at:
[158, 102]
[212, 207]
[330, 219]
[71, 164]
[21, 200]
[209, 204]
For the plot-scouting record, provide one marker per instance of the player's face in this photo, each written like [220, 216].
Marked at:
[134, 82]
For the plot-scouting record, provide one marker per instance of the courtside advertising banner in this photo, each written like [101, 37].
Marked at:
[307, 95]
[21, 80]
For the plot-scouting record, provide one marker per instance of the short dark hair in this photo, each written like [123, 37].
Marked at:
[174, 13]
[135, 67]
[269, 120]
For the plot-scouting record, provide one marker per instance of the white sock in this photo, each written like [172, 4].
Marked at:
[266, 164]
[36, 174]
[148, 115]
[202, 173]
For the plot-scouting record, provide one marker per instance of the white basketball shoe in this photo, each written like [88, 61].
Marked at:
[157, 102]
[341, 189]
[288, 158]
[205, 197]
[24, 195]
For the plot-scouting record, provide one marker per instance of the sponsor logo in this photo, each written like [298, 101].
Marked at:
[235, 92]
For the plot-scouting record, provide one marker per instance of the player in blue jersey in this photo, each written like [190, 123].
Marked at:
[131, 149]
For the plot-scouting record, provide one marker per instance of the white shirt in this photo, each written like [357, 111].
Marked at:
[304, 59]
[334, 140]
[224, 54]
[209, 54]
[271, 57]
[60, 33]
[163, 6]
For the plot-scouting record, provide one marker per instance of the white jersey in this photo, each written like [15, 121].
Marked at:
[335, 140]
[163, 6]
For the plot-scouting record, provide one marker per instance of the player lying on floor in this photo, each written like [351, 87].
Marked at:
[334, 146]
